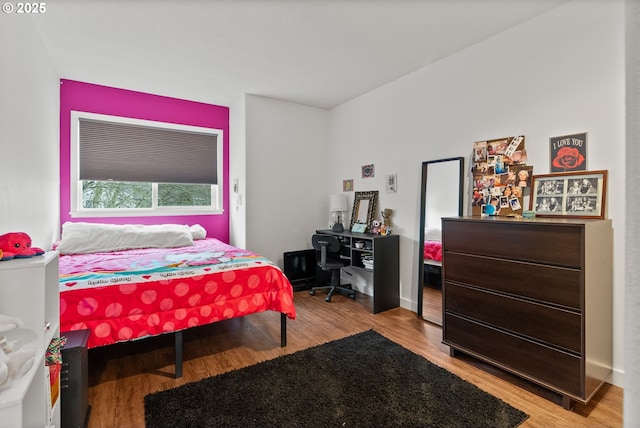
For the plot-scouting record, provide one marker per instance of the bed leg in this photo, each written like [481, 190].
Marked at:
[283, 330]
[178, 340]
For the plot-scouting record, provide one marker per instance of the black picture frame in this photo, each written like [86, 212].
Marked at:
[568, 153]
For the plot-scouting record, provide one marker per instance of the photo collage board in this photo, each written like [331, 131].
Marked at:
[501, 176]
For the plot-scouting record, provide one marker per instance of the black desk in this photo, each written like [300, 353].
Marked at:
[382, 272]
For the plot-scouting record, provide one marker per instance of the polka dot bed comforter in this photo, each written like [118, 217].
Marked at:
[128, 295]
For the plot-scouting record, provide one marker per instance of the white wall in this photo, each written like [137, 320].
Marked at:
[29, 133]
[286, 168]
[559, 73]
[237, 173]
[632, 310]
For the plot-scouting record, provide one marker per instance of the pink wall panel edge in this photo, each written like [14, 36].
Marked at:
[87, 97]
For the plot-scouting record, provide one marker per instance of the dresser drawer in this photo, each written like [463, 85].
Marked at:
[535, 242]
[553, 326]
[534, 361]
[555, 285]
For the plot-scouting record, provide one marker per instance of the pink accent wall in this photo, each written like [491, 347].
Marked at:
[92, 98]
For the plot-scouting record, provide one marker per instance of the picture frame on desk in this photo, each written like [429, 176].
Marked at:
[359, 228]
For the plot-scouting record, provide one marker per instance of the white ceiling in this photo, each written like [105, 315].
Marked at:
[313, 52]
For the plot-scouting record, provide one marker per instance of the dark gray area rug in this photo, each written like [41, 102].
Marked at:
[365, 380]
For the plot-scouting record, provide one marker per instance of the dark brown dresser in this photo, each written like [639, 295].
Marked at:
[533, 297]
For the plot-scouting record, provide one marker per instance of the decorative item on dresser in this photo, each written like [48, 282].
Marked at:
[570, 194]
[532, 297]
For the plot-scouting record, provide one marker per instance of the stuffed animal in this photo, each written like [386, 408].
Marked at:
[385, 228]
[386, 216]
[18, 245]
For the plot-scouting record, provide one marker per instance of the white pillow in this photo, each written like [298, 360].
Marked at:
[198, 232]
[82, 238]
[432, 234]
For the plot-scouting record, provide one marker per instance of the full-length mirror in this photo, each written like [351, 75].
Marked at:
[441, 195]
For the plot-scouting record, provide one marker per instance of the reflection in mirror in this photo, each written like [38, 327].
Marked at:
[363, 207]
[441, 196]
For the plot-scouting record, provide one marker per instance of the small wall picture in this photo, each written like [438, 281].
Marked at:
[391, 181]
[347, 185]
[569, 153]
[367, 171]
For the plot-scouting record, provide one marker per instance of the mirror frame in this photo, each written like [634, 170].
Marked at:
[372, 197]
[423, 203]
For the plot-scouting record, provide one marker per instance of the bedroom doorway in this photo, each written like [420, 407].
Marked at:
[441, 195]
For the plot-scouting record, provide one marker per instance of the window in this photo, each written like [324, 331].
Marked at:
[123, 166]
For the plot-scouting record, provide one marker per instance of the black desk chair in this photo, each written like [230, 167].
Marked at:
[328, 258]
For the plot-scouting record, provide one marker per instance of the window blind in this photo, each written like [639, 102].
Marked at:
[128, 152]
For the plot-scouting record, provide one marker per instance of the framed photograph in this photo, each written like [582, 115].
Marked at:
[359, 228]
[347, 185]
[568, 153]
[392, 183]
[569, 194]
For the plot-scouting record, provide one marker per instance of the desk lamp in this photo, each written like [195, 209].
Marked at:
[337, 204]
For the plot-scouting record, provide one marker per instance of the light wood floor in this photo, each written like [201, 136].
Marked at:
[432, 304]
[121, 375]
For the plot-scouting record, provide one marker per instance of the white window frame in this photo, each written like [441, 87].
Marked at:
[76, 208]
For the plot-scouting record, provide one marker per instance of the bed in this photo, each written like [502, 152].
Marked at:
[433, 246]
[128, 293]
[432, 251]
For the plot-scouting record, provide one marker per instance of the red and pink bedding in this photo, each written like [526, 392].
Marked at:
[433, 250]
[132, 294]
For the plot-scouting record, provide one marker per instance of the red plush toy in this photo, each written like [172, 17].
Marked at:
[18, 245]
